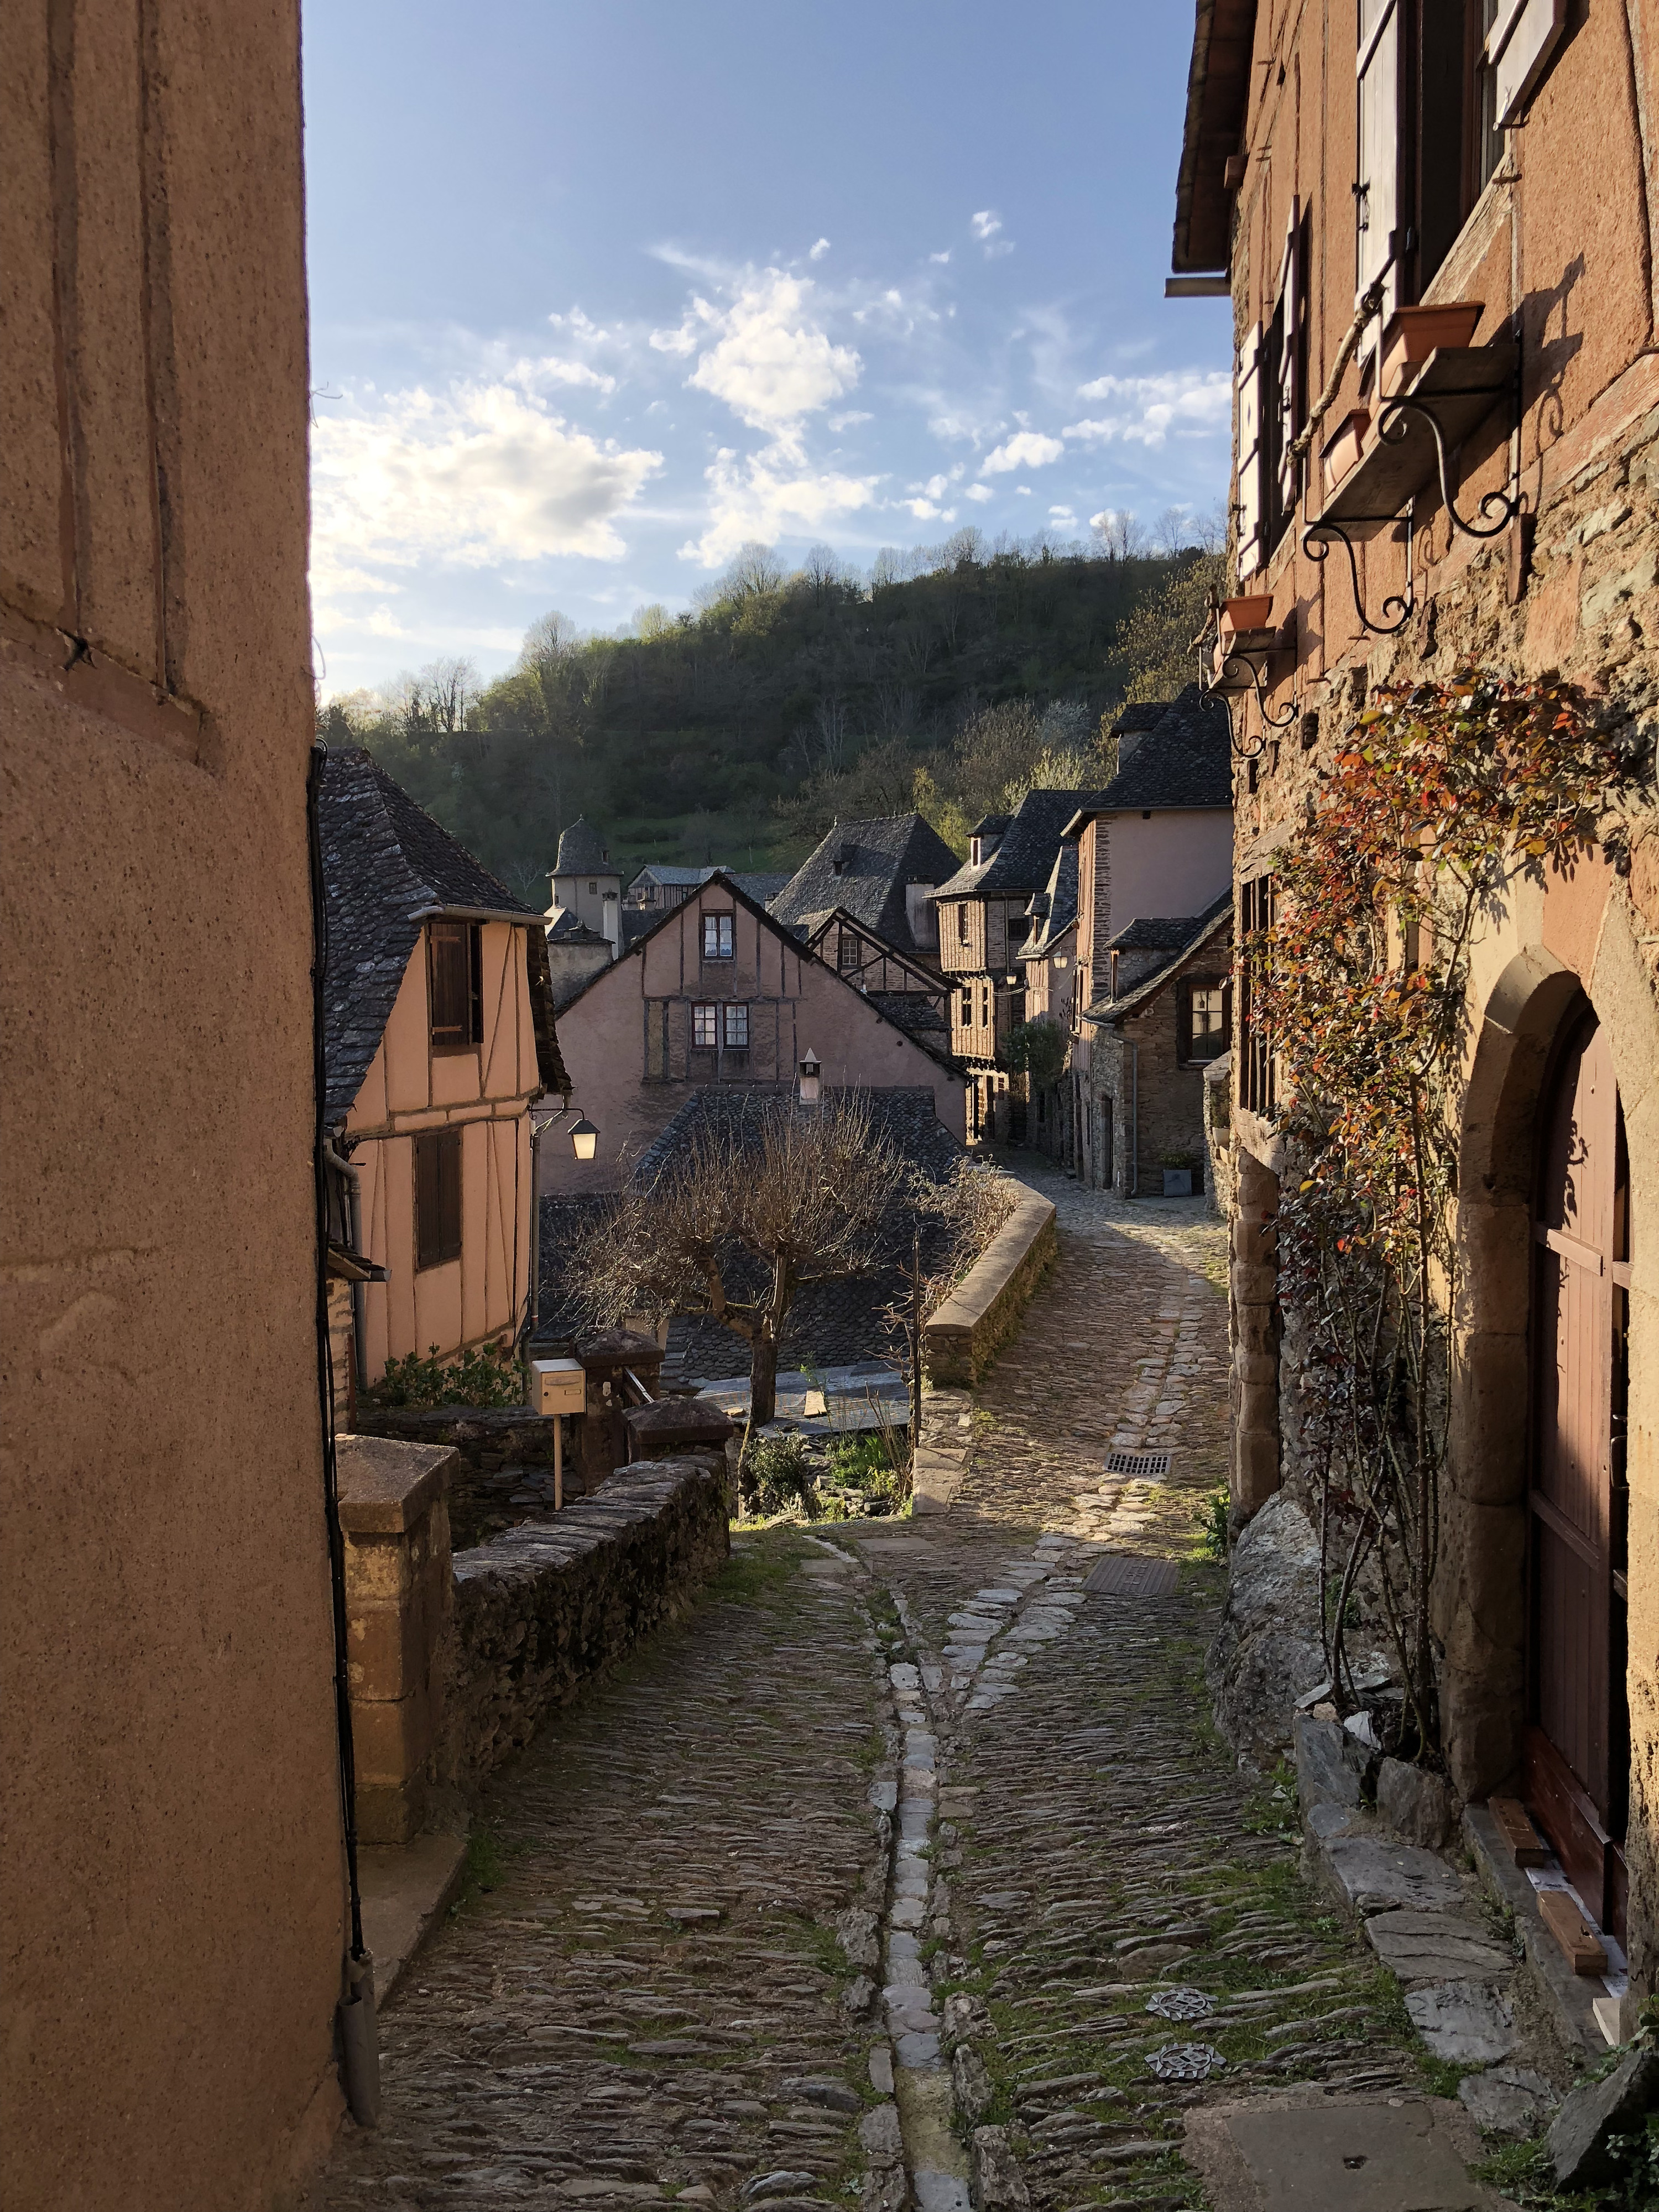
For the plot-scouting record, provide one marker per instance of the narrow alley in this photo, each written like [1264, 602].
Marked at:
[895, 1847]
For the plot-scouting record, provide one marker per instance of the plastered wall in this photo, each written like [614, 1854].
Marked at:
[172, 1884]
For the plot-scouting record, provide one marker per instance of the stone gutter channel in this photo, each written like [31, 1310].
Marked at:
[927, 2067]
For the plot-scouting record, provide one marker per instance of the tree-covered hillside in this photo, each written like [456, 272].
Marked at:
[738, 732]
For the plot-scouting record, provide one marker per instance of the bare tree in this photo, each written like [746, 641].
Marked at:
[551, 638]
[830, 720]
[735, 1224]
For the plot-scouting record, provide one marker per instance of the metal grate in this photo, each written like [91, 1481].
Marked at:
[1131, 1574]
[1137, 1463]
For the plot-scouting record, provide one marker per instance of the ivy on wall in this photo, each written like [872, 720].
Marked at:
[1441, 799]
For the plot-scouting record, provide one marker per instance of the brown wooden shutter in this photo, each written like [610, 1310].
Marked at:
[1376, 187]
[449, 984]
[1249, 388]
[1288, 368]
[437, 1197]
[1519, 49]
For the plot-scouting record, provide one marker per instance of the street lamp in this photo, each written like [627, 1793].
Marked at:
[584, 1139]
[810, 1068]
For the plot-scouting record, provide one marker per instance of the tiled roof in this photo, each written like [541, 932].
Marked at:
[387, 866]
[904, 1115]
[762, 887]
[1025, 857]
[1200, 929]
[1161, 932]
[1059, 904]
[569, 929]
[1185, 759]
[877, 858]
[916, 1016]
[581, 848]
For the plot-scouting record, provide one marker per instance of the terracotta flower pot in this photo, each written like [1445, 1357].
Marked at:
[1413, 333]
[1344, 446]
[1256, 612]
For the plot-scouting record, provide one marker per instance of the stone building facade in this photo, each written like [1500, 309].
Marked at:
[173, 1869]
[1346, 168]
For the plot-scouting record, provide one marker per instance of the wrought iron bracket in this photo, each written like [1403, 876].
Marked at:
[1242, 674]
[1317, 540]
[1392, 427]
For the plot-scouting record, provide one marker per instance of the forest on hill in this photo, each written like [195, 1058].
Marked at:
[738, 732]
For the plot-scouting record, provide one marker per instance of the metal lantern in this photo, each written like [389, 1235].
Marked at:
[584, 1140]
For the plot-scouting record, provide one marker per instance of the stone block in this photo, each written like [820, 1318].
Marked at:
[1415, 1804]
[1510, 2100]
[1438, 1946]
[1373, 1877]
[1465, 2023]
[1329, 1764]
[1582, 2128]
[1338, 2156]
[999, 2185]
[1268, 1651]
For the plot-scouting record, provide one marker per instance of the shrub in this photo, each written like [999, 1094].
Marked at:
[490, 1375]
[778, 1477]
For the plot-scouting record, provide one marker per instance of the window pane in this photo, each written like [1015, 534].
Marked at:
[717, 937]
[437, 1197]
[702, 1026]
[737, 1028]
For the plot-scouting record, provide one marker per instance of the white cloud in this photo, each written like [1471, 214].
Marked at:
[985, 225]
[998, 247]
[1022, 491]
[478, 474]
[689, 336]
[939, 259]
[980, 492]
[923, 509]
[768, 496]
[846, 422]
[773, 362]
[1062, 514]
[550, 370]
[1028, 449]
[817, 252]
[1187, 402]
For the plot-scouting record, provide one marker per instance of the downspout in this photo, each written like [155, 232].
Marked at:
[354, 1182]
[1134, 1118]
[533, 1302]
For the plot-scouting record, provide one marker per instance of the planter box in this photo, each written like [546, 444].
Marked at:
[1343, 447]
[1256, 612]
[1413, 333]
[1177, 1182]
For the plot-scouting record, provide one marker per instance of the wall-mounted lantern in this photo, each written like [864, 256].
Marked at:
[584, 1140]
[810, 1069]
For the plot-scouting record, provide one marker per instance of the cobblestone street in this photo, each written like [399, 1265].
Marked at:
[906, 1850]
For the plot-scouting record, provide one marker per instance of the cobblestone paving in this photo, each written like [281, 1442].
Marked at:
[906, 1853]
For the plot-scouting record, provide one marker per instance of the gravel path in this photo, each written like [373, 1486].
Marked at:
[906, 1861]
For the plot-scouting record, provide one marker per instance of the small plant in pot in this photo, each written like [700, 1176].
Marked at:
[1179, 1169]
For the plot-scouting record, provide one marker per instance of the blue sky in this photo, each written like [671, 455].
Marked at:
[600, 292]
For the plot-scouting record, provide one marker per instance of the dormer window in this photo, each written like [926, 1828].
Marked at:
[454, 976]
[975, 845]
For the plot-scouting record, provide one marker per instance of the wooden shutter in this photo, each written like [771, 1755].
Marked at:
[1288, 367]
[437, 1197]
[1248, 386]
[455, 984]
[1519, 49]
[1376, 187]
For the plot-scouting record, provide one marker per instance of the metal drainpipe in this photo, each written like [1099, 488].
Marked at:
[354, 1180]
[1134, 1119]
[534, 1300]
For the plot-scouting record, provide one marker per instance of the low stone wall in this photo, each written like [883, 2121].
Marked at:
[505, 1459]
[964, 1335]
[540, 1609]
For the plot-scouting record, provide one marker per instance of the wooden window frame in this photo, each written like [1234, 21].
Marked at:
[722, 929]
[454, 1009]
[705, 1013]
[735, 1015]
[438, 1225]
[1184, 1034]
[963, 936]
[1257, 1078]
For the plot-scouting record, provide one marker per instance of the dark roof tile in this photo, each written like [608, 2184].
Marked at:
[877, 858]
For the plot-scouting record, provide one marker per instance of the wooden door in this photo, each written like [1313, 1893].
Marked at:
[1577, 1741]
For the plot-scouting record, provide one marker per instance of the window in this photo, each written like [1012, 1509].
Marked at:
[454, 972]
[717, 936]
[1268, 399]
[1257, 1086]
[1203, 1016]
[967, 1006]
[847, 950]
[705, 1031]
[437, 1197]
[984, 1005]
[962, 921]
[592, 887]
[736, 1028]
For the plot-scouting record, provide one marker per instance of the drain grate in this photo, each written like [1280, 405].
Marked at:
[1131, 1574]
[1137, 1463]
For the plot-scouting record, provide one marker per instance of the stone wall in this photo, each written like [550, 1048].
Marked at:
[503, 1453]
[541, 1609]
[963, 1335]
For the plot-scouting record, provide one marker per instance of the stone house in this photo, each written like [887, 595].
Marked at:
[438, 1037]
[882, 873]
[720, 992]
[1152, 1038]
[984, 920]
[172, 1864]
[586, 887]
[1446, 451]
[1047, 960]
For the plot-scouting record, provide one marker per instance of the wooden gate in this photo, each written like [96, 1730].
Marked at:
[1577, 1745]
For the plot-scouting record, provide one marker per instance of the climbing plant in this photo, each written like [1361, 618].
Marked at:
[1440, 800]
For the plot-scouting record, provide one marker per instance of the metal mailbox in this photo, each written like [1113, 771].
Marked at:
[558, 1386]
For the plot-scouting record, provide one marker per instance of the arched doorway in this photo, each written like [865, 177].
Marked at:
[1577, 1761]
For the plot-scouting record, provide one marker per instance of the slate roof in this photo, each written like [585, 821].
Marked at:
[904, 1115]
[1059, 905]
[1199, 928]
[387, 866]
[917, 1017]
[879, 858]
[1156, 933]
[1185, 759]
[581, 850]
[569, 929]
[1025, 858]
